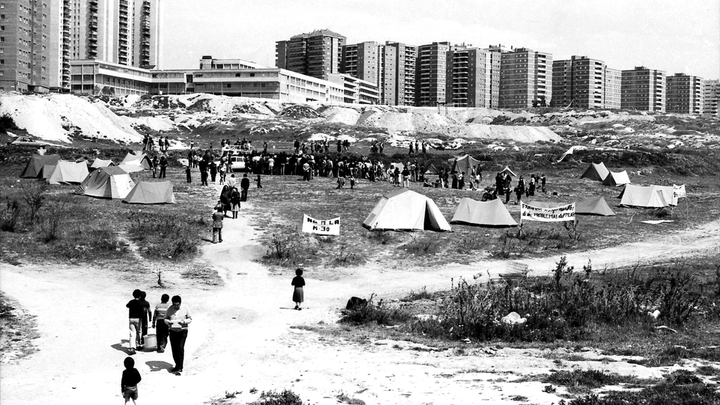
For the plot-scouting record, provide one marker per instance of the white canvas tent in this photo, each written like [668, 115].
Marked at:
[593, 206]
[482, 213]
[97, 163]
[66, 172]
[139, 159]
[107, 182]
[616, 179]
[406, 210]
[647, 196]
[147, 192]
[596, 171]
[131, 167]
[507, 170]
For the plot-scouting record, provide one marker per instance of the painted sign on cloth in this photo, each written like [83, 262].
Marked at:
[321, 226]
[558, 214]
[679, 191]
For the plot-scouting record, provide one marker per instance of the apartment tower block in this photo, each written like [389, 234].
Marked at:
[578, 82]
[316, 54]
[472, 77]
[712, 98]
[525, 78]
[430, 74]
[685, 94]
[643, 89]
[24, 43]
[397, 77]
[363, 61]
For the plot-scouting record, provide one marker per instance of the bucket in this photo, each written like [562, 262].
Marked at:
[150, 343]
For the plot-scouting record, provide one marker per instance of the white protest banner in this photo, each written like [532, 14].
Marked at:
[679, 191]
[558, 214]
[321, 226]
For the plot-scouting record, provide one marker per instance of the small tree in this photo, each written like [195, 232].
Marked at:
[33, 195]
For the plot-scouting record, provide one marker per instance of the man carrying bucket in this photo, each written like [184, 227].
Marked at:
[177, 319]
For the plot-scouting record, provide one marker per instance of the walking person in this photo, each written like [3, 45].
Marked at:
[158, 322]
[144, 320]
[217, 218]
[188, 173]
[130, 380]
[235, 202]
[244, 186]
[135, 313]
[155, 166]
[178, 318]
[298, 282]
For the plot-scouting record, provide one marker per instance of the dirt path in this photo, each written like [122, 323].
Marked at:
[245, 334]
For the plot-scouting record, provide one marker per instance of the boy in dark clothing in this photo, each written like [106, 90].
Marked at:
[258, 180]
[136, 310]
[130, 380]
[158, 322]
[147, 316]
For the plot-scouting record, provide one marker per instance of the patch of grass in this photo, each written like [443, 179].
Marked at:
[585, 380]
[345, 399]
[203, 274]
[165, 234]
[19, 330]
[422, 294]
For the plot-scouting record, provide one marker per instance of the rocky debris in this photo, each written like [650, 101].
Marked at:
[299, 111]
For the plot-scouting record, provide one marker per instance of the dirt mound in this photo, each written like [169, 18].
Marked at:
[299, 111]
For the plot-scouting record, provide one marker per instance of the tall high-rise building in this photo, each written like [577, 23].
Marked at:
[317, 54]
[126, 32]
[685, 94]
[363, 61]
[613, 88]
[712, 98]
[24, 40]
[430, 74]
[578, 82]
[525, 78]
[643, 89]
[397, 77]
[472, 77]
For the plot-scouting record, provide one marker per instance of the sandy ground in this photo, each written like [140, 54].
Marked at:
[245, 335]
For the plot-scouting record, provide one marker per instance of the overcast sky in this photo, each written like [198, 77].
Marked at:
[670, 35]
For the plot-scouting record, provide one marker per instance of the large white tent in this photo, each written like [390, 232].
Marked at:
[482, 213]
[107, 182]
[66, 172]
[406, 210]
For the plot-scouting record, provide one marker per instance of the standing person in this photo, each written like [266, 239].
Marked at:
[352, 182]
[158, 322]
[298, 282]
[213, 171]
[135, 313]
[163, 166]
[258, 181]
[155, 165]
[146, 318]
[235, 202]
[188, 173]
[542, 182]
[217, 218]
[406, 176]
[178, 318]
[130, 380]
[244, 186]
[518, 193]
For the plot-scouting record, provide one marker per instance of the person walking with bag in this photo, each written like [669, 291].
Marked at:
[217, 217]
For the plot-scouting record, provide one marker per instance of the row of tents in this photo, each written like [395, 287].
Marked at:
[105, 181]
[407, 210]
[57, 171]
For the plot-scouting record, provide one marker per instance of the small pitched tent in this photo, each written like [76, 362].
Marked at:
[107, 182]
[616, 179]
[593, 206]
[647, 196]
[486, 213]
[34, 168]
[101, 163]
[406, 210]
[507, 170]
[67, 172]
[431, 170]
[47, 171]
[463, 164]
[146, 192]
[131, 167]
[596, 171]
[138, 158]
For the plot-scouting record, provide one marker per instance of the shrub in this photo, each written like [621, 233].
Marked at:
[286, 397]
[34, 196]
[9, 216]
[164, 235]
[380, 314]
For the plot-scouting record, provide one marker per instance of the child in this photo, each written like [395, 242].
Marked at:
[161, 329]
[258, 182]
[130, 379]
[298, 295]
[352, 182]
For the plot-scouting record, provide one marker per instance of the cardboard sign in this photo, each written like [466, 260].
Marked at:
[679, 191]
[321, 226]
[559, 214]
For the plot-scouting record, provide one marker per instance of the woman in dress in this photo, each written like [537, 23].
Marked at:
[298, 282]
